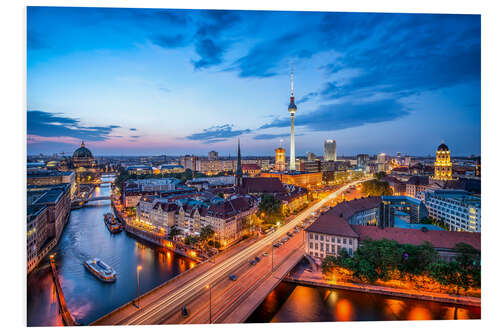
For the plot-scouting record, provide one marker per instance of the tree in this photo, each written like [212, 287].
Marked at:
[206, 233]
[376, 188]
[270, 209]
[174, 232]
[380, 175]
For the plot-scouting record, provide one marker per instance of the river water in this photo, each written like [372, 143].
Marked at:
[84, 237]
[296, 303]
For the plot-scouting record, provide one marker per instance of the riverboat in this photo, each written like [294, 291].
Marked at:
[111, 223]
[100, 270]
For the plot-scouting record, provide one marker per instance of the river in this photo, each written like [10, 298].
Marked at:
[85, 236]
[296, 303]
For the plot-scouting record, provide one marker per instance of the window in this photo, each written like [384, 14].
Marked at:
[310, 245]
[316, 246]
[311, 236]
[338, 240]
[316, 236]
[344, 240]
[350, 251]
[350, 241]
[321, 238]
[321, 247]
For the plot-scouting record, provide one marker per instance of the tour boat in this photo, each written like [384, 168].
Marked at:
[113, 226]
[101, 270]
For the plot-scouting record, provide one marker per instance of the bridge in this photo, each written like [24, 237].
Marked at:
[97, 198]
[208, 293]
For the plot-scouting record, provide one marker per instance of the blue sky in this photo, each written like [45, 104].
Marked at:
[154, 81]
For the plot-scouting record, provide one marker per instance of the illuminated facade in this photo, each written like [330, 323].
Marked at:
[442, 166]
[297, 178]
[279, 164]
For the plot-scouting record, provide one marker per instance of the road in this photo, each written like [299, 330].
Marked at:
[162, 309]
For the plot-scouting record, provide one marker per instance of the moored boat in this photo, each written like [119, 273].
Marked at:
[111, 223]
[101, 270]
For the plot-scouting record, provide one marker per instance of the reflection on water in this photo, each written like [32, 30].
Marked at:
[86, 237]
[294, 303]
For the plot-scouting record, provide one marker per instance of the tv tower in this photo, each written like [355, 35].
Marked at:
[292, 108]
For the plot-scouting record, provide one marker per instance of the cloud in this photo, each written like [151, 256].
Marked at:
[333, 117]
[169, 41]
[135, 136]
[46, 124]
[307, 97]
[210, 53]
[265, 136]
[133, 129]
[217, 134]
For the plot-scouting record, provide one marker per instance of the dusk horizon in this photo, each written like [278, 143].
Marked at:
[119, 79]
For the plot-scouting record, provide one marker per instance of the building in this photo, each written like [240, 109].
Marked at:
[362, 161]
[458, 209]
[213, 155]
[311, 156]
[330, 150]
[48, 211]
[227, 218]
[296, 178]
[279, 162]
[261, 185]
[52, 177]
[251, 169]
[189, 162]
[139, 169]
[239, 170]
[292, 108]
[443, 165]
[310, 166]
[330, 234]
[171, 168]
[416, 184]
[82, 158]
[381, 164]
[406, 208]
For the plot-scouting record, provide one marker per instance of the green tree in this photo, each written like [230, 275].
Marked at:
[206, 233]
[374, 187]
[174, 232]
[270, 209]
[380, 175]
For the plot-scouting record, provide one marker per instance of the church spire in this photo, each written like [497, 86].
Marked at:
[83, 144]
[239, 171]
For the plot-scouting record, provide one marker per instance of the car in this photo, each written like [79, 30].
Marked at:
[289, 234]
[276, 245]
[257, 259]
[264, 254]
[185, 312]
[253, 262]
[296, 231]
[233, 277]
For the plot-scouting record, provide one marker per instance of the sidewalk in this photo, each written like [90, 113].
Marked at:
[316, 279]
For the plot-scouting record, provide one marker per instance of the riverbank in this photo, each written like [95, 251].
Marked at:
[316, 279]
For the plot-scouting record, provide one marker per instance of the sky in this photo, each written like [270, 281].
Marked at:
[175, 82]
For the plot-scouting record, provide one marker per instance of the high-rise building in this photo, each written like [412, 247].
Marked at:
[330, 151]
[292, 108]
[213, 155]
[362, 161]
[311, 156]
[279, 164]
[443, 165]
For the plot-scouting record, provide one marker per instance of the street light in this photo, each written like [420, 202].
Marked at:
[139, 268]
[209, 287]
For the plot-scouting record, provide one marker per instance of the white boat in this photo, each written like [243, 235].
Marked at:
[101, 270]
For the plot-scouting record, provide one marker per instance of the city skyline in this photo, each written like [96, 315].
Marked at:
[415, 77]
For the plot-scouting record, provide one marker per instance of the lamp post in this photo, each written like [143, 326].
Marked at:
[139, 268]
[209, 287]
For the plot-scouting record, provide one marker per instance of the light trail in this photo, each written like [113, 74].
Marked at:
[151, 312]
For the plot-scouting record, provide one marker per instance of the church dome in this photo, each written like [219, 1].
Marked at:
[443, 147]
[82, 152]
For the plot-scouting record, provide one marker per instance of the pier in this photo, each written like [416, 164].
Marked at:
[68, 319]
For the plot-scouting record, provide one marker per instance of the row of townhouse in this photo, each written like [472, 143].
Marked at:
[227, 218]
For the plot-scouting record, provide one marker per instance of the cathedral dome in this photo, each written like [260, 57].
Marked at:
[82, 152]
[443, 147]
